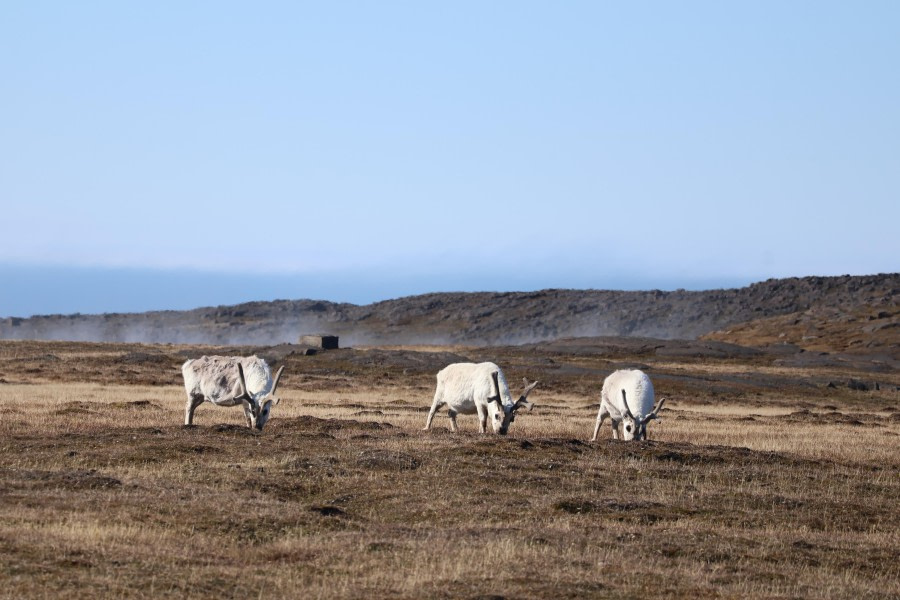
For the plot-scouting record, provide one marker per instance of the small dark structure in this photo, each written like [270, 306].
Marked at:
[319, 340]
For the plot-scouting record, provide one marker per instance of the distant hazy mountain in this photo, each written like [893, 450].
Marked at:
[796, 306]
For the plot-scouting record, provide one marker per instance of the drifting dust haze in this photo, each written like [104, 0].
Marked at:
[136, 329]
[286, 333]
[183, 328]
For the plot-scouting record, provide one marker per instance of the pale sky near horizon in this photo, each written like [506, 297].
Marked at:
[220, 152]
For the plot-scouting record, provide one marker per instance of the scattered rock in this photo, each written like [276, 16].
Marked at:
[327, 511]
[855, 384]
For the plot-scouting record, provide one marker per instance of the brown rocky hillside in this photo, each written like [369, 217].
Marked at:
[847, 314]
[855, 329]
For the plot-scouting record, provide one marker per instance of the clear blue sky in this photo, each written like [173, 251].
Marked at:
[177, 154]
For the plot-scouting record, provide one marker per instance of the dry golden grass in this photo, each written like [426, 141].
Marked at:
[104, 494]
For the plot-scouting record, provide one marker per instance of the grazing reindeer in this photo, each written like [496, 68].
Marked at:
[221, 380]
[636, 393]
[470, 388]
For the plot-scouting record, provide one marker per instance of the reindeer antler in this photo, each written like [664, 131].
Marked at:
[523, 399]
[654, 414]
[245, 395]
[277, 378]
[498, 399]
[627, 409]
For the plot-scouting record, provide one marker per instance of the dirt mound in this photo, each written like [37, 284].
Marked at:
[144, 358]
[387, 459]
[641, 511]
[136, 405]
[71, 480]
[230, 428]
[307, 424]
[77, 408]
[405, 359]
[834, 417]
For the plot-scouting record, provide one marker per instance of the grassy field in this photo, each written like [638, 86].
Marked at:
[760, 481]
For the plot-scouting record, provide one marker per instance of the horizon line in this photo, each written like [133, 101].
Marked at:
[308, 298]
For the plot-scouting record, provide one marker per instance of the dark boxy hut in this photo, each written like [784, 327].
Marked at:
[319, 340]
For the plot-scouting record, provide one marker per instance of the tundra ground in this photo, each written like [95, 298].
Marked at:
[760, 481]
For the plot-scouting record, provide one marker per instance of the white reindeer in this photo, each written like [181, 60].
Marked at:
[470, 388]
[627, 397]
[221, 380]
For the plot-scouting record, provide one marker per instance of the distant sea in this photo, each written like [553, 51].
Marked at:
[41, 290]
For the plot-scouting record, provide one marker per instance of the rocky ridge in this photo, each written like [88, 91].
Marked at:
[859, 312]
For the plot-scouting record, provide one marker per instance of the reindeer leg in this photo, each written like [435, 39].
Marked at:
[482, 418]
[434, 408]
[452, 414]
[601, 416]
[190, 406]
[615, 428]
[247, 416]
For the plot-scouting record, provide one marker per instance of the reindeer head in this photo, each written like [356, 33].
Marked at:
[636, 428]
[506, 413]
[258, 409]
